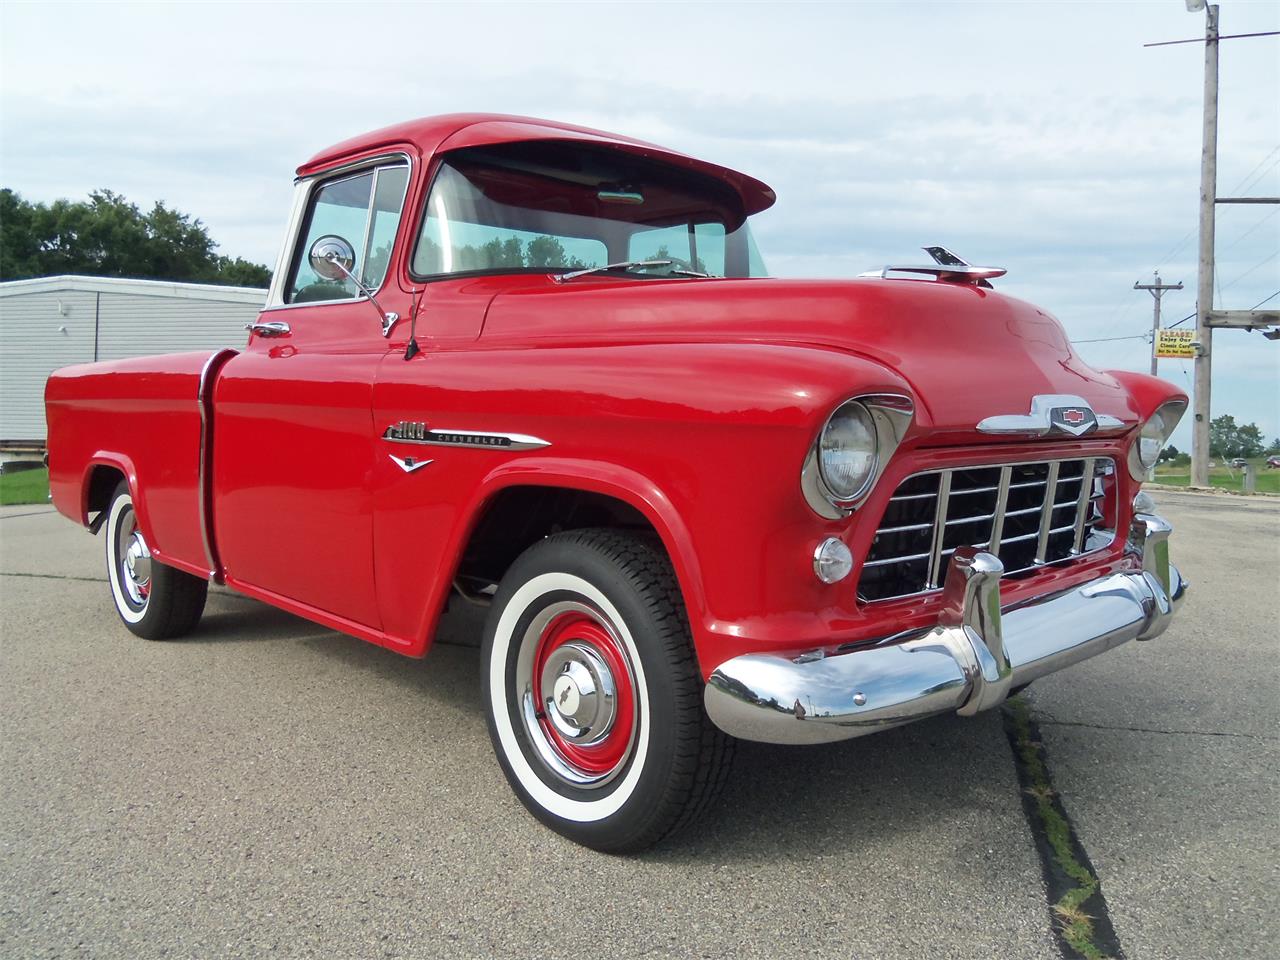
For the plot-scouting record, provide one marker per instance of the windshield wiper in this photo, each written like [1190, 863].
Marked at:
[623, 265]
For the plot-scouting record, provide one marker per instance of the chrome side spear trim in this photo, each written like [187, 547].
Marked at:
[415, 431]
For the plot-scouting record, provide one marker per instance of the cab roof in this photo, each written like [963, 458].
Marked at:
[456, 131]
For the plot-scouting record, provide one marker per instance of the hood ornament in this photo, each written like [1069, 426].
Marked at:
[947, 267]
[1052, 413]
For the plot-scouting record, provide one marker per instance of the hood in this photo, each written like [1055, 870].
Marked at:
[968, 353]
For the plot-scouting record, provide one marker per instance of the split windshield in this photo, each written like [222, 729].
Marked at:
[555, 207]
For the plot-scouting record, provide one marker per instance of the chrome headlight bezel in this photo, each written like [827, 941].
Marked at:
[1153, 435]
[889, 416]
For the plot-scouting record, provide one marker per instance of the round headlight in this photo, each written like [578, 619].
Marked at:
[1151, 441]
[847, 451]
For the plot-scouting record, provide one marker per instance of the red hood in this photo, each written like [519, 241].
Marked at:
[968, 352]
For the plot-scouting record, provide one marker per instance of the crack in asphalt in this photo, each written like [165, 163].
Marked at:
[1049, 722]
[1078, 910]
[51, 576]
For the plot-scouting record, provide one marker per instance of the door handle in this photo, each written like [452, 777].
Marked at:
[268, 328]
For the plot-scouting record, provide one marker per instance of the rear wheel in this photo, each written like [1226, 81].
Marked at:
[593, 695]
[155, 601]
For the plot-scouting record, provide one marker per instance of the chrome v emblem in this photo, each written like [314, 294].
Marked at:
[408, 464]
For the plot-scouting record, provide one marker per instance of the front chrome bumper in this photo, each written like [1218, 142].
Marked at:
[967, 663]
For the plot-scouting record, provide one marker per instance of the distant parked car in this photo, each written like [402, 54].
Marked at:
[1239, 463]
[1273, 463]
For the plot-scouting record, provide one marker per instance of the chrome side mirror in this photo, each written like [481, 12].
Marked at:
[332, 257]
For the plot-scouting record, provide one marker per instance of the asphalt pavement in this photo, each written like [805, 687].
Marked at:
[270, 788]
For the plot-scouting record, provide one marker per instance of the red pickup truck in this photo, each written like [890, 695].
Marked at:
[542, 368]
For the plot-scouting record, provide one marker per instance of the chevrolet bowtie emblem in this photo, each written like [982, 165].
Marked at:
[1050, 413]
[408, 464]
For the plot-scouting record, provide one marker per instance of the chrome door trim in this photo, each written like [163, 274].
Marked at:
[204, 489]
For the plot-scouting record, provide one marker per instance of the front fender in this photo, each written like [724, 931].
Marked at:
[621, 483]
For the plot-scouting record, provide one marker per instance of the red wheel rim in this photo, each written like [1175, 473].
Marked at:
[578, 638]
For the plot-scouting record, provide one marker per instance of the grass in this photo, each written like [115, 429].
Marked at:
[1226, 479]
[25, 486]
[1074, 925]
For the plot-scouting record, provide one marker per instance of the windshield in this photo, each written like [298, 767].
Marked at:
[554, 207]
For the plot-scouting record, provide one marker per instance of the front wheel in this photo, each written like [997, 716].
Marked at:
[593, 695]
[155, 601]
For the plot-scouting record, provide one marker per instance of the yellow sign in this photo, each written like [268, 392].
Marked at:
[1176, 344]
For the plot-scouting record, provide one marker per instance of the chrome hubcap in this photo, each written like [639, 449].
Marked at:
[135, 563]
[576, 696]
[578, 693]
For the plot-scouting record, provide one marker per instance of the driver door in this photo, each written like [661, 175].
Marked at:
[293, 430]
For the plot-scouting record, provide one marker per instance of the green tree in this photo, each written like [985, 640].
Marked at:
[1274, 447]
[1228, 439]
[1223, 436]
[1249, 441]
[107, 236]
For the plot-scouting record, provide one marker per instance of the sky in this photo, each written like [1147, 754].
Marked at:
[1037, 136]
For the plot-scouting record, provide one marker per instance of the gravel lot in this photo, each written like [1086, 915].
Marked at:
[268, 787]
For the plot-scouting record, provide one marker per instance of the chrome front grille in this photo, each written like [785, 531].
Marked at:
[1027, 514]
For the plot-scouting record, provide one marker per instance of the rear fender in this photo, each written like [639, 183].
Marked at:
[121, 463]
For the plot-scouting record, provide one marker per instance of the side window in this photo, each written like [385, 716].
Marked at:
[693, 247]
[364, 210]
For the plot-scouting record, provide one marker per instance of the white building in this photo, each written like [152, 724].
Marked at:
[50, 322]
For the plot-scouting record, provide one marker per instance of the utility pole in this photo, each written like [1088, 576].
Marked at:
[1157, 291]
[1204, 280]
[1268, 321]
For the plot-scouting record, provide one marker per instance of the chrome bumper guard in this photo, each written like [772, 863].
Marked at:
[967, 663]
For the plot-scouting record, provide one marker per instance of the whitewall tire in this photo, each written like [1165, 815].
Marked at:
[592, 692]
[155, 601]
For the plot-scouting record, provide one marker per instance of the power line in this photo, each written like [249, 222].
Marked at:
[1253, 228]
[1225, 36]
[1192, 316]
[1136, 336]
[1237, 189]
[1263, 262]
[1257, 179]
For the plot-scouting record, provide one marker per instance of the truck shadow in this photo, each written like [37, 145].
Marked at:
[945, 777]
